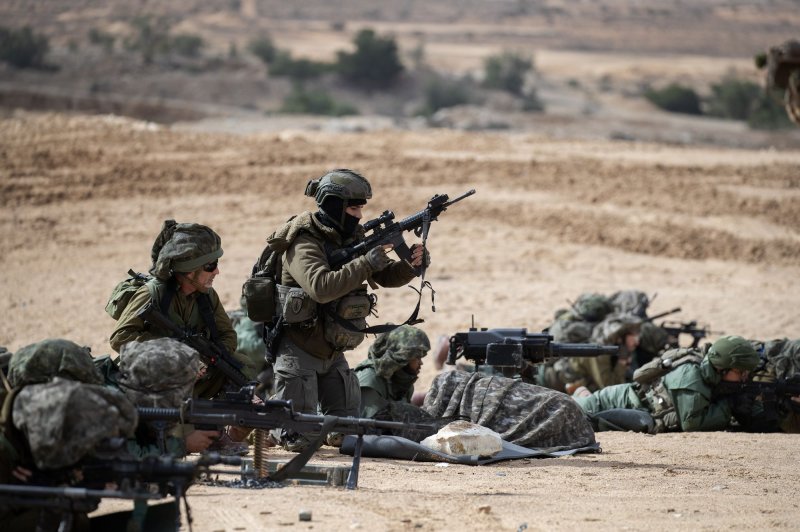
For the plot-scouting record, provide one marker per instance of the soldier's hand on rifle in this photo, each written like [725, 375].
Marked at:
[419, 255]
[22, 474]
[199, 440]
[377, 258]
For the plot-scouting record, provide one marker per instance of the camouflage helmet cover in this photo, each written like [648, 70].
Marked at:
[55, 357]
[64, 420]
[183, 248]
[340, 183]
[733, 352]
[158, 373]
[613, 329]
[593, 307]
[395, 349]
[652, 338]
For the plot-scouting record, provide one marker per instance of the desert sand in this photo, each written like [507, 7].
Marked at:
[713, 230]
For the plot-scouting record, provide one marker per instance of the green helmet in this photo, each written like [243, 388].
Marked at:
[183, 248]
[592, 307]
[733, 352]
[341, 183]
[335, 192]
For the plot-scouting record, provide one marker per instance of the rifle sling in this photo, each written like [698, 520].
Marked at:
[413, 319]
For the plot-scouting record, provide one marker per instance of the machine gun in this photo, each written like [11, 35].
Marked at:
[210, 353]
[384, 230]
[238, 409]
[151, 478]
[513, 348]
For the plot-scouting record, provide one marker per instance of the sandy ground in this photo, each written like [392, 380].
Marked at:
[713, 230]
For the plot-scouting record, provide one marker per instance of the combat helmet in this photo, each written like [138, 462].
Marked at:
[337, 190]
[733, 352]
[183, 248]
[393, 350]
[158, 373]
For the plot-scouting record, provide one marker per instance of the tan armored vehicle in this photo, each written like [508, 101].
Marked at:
[783, 73]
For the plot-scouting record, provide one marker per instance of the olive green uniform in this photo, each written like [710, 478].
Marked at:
[683, 400]
[184, 312]
[309, 369]
[377, 392]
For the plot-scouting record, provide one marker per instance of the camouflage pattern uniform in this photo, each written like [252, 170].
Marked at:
[684, 399]
[382, 376]
[158, 373]
[311, 369]
[522, 413]
[179, 248]
[606, 370]
[62, 413]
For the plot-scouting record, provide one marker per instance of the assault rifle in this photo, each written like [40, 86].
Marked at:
[676, 328]
[211, 354]
[238, 409]
[152, 478]
[769, 391]
[384, 230]
[513, 348]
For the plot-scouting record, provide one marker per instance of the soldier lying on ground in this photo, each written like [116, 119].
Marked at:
[55, 414]
[522, 413]
[692, 395]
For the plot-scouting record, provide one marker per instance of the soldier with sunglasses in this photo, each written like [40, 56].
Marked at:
[185, 263]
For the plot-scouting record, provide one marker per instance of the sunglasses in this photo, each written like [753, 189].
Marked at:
[210, 267]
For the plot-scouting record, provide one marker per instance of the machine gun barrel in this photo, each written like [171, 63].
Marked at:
[515, 346]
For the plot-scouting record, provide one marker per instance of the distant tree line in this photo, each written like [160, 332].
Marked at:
[732, 98]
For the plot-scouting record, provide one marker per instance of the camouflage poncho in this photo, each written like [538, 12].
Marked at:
[524, 414]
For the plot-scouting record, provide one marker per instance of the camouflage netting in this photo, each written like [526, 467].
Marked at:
[158, 373]
[64, 420]
[524, 414]
[40, 362]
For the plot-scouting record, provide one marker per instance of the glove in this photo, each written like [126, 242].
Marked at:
[377, 259]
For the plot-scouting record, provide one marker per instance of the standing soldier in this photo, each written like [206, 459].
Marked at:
[323, 309]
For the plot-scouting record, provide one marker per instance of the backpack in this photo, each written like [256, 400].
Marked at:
[666, 362]
[123, 292]
[259, 290]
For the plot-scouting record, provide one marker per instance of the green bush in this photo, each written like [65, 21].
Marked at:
[506, 72]
[531, 102]
[440, 93]
[103, 39]
[23, 48]
[151, 39]
[263, 48]
[297, 69]
[767, 113]
[676, 99]
[733, 98]
[374, 64]
[187, 45]
[315, 102]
